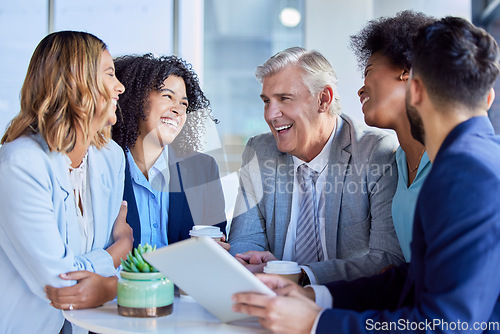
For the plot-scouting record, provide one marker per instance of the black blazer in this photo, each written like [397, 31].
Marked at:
[192, 172]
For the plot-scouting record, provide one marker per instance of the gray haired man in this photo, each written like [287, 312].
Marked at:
[320, 192]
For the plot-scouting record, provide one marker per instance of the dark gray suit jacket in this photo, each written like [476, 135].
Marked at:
[362, 178]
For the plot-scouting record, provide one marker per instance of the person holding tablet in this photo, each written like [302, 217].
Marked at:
[451, 284]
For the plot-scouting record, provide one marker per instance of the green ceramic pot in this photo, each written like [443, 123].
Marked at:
[145, 295]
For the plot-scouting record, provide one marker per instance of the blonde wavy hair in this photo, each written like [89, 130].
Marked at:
[61, 91]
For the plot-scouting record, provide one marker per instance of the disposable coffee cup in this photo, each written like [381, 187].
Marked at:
[206, 231]
[287, 269]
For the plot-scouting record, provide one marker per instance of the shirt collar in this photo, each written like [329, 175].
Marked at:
[160, 166]
[321, 160]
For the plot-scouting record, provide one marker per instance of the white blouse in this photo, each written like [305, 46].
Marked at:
[81, 186]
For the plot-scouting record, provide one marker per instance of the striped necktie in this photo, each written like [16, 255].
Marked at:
[307, 244]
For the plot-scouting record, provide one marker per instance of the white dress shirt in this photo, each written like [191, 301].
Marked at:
[323, 299]
[319, 164]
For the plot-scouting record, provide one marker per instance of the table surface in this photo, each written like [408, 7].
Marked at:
[188, 317]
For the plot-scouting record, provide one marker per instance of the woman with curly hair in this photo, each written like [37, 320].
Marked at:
[169, 186]
[61, 183]
[383, 49]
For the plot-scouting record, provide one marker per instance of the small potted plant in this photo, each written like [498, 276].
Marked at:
[142, 290]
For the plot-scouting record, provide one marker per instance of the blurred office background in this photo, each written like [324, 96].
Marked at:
[224, 40]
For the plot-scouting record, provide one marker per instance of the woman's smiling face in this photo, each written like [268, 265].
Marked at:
[167, 110]
[383, 94]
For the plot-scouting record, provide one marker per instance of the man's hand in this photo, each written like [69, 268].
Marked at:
[292, 311]
[91, 290]
[284, 287]
[224, 244]
[255, 261]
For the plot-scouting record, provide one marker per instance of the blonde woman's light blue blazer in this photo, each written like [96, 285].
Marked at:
[39, 232]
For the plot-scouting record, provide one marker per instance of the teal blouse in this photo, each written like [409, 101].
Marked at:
[405, 199]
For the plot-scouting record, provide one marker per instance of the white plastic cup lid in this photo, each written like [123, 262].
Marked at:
[206, 231]
[282, 267]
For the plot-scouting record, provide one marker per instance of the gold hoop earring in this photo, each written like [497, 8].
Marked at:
[401, 77]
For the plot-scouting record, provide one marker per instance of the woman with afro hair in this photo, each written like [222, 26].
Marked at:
[383, 48]
[169, 186]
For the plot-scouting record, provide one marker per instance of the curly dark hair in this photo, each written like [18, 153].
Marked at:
[392, 36]
[143, 74]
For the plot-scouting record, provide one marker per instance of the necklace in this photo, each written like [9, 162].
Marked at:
[410, 170]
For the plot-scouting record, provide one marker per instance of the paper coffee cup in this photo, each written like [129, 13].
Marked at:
[286, 269]
[206, 231]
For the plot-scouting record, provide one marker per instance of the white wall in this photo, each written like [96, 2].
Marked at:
[329, 23]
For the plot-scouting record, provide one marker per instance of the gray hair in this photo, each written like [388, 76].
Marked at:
[318, 72]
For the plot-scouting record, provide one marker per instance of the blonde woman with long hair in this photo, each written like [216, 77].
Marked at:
[62, 220]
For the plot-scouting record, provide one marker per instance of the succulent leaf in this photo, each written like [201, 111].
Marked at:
[134, 268]
[135, 262]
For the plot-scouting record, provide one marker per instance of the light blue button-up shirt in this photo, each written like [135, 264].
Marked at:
[405, 199]
[152, 199]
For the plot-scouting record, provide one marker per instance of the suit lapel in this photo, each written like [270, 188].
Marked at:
[100, 193]
[72, 230]
[62, 174]
[337, 166]
[175, 204]
[180, 220]
[283, 200]
[60, 164]
[132, 212]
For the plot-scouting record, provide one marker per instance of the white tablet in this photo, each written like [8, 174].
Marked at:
[208, 273]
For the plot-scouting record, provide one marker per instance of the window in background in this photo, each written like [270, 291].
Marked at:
[239, 36]
[494, 111]
[126, 26]
[22, 25]
[486, 14]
